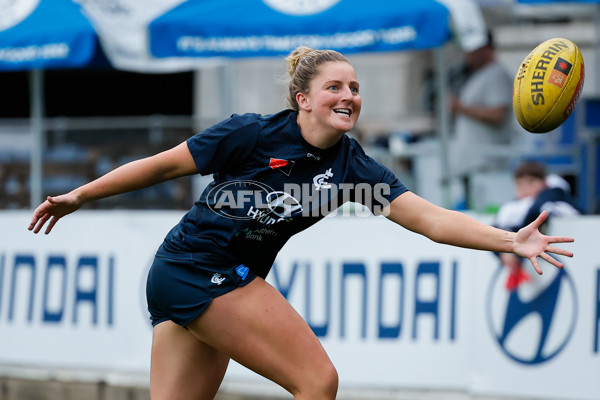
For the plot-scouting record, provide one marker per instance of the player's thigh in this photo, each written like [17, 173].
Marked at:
[182, 366]
[257, 327]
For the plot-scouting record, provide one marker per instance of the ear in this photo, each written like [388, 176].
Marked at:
[303, 101]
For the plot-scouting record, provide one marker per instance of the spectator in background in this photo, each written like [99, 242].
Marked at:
[482, 115]
[535, 192]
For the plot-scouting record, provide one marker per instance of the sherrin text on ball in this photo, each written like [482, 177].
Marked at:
[548, 85]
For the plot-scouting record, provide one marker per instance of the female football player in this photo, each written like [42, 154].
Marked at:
[206, 292]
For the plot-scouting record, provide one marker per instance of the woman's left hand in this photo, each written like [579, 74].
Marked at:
[530, 243]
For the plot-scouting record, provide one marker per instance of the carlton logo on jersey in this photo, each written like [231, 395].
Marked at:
[320, 180]
[217, 279]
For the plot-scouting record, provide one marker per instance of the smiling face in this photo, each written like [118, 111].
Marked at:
[332, 103]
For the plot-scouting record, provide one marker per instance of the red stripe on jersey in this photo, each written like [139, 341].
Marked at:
[277, 163]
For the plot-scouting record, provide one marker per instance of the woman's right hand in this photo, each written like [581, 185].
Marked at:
[53, 209]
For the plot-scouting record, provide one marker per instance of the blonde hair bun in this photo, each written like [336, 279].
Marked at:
[294, 58]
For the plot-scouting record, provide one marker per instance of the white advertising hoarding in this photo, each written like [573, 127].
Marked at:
[75, 298]
[393, 309]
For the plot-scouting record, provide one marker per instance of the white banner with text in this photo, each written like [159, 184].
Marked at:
[392, 308]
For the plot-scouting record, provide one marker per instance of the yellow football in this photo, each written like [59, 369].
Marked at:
[548, 85]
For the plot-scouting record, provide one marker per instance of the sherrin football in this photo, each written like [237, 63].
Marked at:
[548, 85]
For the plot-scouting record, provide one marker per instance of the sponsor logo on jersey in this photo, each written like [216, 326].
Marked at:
[242, 271]
[320, 180]
[253, 200]
[284, 166]
[283, 204]
[249, 234]
[257, 234]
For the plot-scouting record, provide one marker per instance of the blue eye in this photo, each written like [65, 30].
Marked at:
[332, 87]
[354, 90]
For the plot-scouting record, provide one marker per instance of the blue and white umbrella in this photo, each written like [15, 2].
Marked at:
[257, 28]
[170, 35]
[40, 34]
[251, 28]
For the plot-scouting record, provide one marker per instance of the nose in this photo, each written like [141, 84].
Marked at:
[346, 93]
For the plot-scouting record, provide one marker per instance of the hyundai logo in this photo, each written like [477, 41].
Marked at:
[283, 204]
[534, 323]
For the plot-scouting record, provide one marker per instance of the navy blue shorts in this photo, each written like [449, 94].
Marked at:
[180, 290]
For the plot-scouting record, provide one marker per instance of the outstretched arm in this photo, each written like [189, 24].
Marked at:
[457, 229]
[135, 175]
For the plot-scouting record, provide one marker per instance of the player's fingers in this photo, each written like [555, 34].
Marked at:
[38, 213]
[540, 219]
[536, 265]
[551, 260]
[561, 239]
[558, 250]
[53, 222]
[34, 219]
[40, 223]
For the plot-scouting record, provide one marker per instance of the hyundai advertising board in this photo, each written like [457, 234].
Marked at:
[394, 310]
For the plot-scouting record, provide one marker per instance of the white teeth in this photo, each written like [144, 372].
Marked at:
[342, 111]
